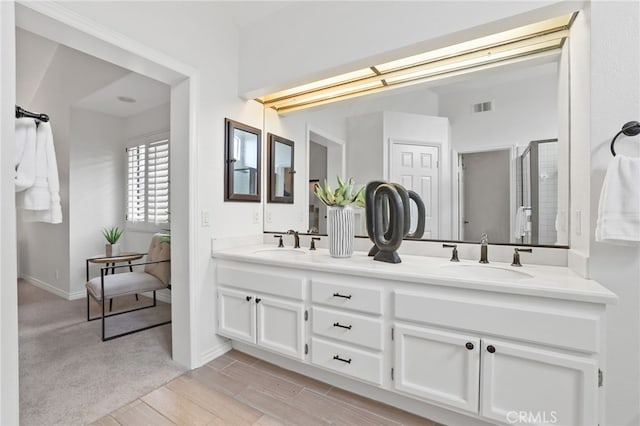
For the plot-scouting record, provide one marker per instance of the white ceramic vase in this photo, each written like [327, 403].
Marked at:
[341, 230]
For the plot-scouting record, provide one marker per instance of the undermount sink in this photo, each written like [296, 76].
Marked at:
[485, 272]
[279, 252]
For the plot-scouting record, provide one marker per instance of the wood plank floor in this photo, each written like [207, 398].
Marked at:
[237, 389]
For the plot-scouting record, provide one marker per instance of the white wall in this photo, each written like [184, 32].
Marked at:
[199, 34]
[44, 249]
[150, 122]
[615, 99]
[9, 391]
[512, 122]
[96, 188]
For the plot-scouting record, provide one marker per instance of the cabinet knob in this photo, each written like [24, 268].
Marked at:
[469, 345]
[491, 349]
[258, 300]
[249, 298]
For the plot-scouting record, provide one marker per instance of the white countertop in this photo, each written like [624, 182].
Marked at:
[545, 281]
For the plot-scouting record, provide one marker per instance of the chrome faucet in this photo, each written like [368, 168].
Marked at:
[296, 238]
[484, 248]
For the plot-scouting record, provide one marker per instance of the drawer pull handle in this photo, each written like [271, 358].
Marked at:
[348, 361]
[469, 346]
[342, 295]
[249, 298]
[337, 324]
[491, 349]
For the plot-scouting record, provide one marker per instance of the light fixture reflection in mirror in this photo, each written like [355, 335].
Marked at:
[488, 118]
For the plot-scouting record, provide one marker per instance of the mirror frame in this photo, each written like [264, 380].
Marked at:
[271, 178]
[229, 160]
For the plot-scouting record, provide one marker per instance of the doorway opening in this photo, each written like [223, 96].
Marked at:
[326, 160]
[485, 194]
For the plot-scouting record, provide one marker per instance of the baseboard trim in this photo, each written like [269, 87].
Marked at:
[46, 286]
[213, 353]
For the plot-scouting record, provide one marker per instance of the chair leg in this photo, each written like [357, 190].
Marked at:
[102, 315]
[88, 316]
[110, 305]
[137, 300]
[154, 298]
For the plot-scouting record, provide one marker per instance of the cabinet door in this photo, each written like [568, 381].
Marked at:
[236, 315]
[437, 365]
[527, 385]
[281, 326]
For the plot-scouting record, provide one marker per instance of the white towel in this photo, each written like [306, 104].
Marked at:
[619, 208]
[41, 202]
[25, 163]
[521, 221]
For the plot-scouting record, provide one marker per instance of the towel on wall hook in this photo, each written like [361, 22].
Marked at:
[619, 206]
[41, 201]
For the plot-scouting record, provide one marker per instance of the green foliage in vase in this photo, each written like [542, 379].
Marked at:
[344, 194]
[112, 235]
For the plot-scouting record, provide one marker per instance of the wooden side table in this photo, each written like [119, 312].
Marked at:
[126, 256]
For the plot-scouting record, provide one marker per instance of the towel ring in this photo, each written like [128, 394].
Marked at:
[632, 128]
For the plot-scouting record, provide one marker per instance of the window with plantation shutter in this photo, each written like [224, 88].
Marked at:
[148, 183]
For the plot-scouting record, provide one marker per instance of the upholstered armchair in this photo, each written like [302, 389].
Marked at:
[155, 276]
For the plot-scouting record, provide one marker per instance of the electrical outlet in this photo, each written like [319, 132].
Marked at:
[205, 217]
[57, 275]
[256, 216]
[268, 217]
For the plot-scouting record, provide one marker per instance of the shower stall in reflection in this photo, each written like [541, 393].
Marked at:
[537, 172]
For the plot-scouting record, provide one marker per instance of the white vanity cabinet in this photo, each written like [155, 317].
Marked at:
[459, 351]
[553, 386]
[253, 311]
[499, 378]
[437, 365]
[347, 327]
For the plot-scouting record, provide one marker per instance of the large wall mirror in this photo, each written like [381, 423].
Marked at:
[487, 151]
[242, 162]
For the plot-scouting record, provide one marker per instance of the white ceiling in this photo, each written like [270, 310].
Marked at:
[147, 92]
[35, 55]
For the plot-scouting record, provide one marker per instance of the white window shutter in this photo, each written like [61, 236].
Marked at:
[148, 183]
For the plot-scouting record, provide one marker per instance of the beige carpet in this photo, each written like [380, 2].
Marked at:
[68, 376]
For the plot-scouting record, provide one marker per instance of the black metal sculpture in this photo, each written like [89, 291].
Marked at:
[419, 232]
[389, 238]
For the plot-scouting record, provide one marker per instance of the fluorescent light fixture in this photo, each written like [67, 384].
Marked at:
[481, 53]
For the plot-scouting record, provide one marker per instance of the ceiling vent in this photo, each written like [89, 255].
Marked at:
[482, 107]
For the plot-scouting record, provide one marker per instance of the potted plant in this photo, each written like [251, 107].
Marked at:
[340, 215]
[112, 235]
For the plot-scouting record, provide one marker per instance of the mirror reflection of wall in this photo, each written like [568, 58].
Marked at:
[496, 112]
[538, 194]
[317, 174]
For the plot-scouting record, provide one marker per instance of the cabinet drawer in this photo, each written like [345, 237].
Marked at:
[344, 359]
[573, 330]
[354, 297]
[347, 327]
[261, 280]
